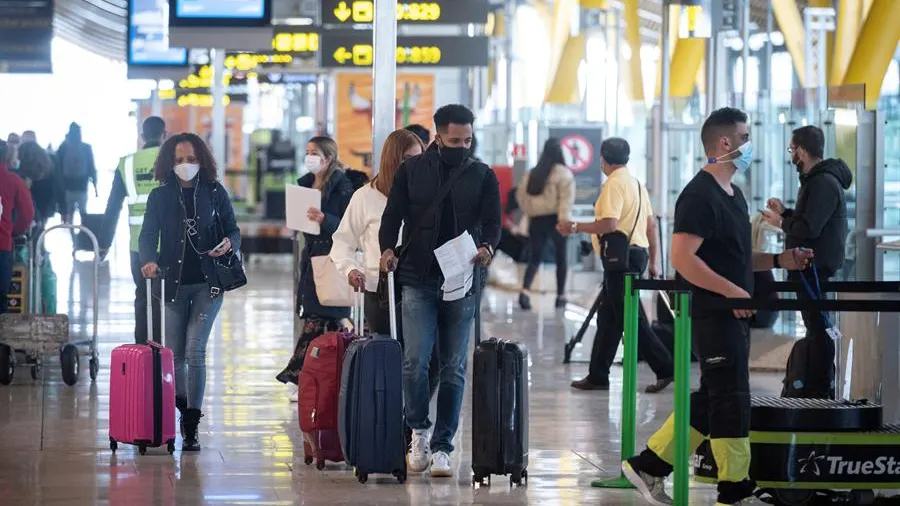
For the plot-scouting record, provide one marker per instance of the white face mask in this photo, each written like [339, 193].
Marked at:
[187, 171]
[313, 163]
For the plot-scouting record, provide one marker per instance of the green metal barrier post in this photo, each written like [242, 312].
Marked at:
[682, 397]
[629, 384]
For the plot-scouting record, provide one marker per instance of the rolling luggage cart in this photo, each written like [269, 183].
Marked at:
[36, 334]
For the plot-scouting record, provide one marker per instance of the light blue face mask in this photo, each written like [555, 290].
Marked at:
[741, 163]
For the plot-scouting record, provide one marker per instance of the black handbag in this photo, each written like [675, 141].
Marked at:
[229, 267]
[383, 294]
[616, 246]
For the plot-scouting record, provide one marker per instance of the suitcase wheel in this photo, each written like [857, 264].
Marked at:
[308, 460]
[94, 367]
[478, 478]
[113, 445]
[7, 365]
[68, 359]
[401, 476]
[362, 477]
[320, 464]
[516, 478]
[142, 449]
[170, 447]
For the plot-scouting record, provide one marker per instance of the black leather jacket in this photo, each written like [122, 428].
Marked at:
[474, 201]
[164, 225]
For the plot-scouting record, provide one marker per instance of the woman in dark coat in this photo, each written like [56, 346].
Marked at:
[326, 174]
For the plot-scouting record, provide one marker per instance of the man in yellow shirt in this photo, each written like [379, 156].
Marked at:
[624, 205]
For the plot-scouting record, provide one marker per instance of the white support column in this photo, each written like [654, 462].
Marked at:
[218, 108]
[661, 171]
[384, 76]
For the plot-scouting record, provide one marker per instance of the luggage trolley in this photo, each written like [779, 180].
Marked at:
[37, 334]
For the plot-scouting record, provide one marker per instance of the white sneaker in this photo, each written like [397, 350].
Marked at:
[653, 489]
[295, 395]
[419, 451]
[440, 465]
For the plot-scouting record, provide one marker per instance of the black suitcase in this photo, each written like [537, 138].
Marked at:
[500, 409]
[94, 223]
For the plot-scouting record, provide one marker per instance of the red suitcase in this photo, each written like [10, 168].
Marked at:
[320, 385]
[142, 391]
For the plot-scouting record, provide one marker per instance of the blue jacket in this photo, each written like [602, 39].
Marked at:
[335, 198]
[164, 225]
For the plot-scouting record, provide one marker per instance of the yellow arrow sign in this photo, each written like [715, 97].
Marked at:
[342, 12]
[342, 55]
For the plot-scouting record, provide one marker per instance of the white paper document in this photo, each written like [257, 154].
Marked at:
[297, 201]
[455, 259]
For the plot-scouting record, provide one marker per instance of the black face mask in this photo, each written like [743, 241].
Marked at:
[453, 156]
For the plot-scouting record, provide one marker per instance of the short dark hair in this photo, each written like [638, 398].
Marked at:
[615, 151]
[454, 113]
[153, 128]
[421, 132]
[165, 160]
[811, 139]
[715, 125]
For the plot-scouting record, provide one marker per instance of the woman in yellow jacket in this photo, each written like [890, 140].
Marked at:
[546, 195]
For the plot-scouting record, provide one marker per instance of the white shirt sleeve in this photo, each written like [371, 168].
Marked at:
[346, 240]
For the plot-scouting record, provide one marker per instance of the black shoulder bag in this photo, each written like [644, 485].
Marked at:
[383, 298]
[229, 267]
[615, 246]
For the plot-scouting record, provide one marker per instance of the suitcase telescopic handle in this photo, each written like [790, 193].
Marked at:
[392, 305]
[358, 311]
[162, 308]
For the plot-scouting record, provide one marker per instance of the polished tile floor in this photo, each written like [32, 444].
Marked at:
[54, 437]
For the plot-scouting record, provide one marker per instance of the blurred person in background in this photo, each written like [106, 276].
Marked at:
[75, 166]
[423, 133]
[546, 195]
[134, 180]
[16, 214]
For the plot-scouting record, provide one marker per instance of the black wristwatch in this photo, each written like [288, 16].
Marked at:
[776, 263]
[489, 248]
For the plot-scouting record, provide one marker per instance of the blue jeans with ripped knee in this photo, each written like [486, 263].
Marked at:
[189, 321]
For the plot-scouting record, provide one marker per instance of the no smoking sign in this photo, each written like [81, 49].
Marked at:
[578, 152]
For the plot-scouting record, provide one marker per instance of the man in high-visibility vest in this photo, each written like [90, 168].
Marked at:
[133, 182]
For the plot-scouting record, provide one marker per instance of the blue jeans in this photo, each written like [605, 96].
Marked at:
[428, 320]
[189, 320]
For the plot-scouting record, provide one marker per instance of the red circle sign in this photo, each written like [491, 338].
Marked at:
[578, 152]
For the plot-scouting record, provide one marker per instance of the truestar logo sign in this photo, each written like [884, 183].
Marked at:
[815, 463]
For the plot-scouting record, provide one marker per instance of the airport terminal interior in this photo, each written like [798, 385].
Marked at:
[255, 80]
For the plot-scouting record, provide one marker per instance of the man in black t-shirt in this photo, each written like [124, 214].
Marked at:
[712, 251]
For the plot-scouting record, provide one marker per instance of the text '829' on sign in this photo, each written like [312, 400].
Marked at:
[355, 49]
[426, 11]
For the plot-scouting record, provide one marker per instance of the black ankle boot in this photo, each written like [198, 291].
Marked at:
[524, 302]
[191, 439]
[181, 406]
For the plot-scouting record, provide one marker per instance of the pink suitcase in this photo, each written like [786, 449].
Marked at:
[142, 391]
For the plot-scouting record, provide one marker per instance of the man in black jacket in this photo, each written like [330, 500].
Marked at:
[431, 315]
[819, 222]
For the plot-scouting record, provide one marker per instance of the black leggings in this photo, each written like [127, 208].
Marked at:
[540, 230]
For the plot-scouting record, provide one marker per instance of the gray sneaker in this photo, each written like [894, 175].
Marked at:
[652, 488]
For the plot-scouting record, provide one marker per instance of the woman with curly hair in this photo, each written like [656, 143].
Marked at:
[189, 216]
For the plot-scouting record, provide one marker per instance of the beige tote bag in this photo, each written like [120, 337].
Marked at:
[332, 288]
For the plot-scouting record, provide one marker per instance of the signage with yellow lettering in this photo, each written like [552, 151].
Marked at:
[355, 49]
[453, 12]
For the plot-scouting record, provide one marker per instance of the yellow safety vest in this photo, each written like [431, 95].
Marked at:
[136, 171]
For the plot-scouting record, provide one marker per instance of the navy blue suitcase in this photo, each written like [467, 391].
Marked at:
[370, 411]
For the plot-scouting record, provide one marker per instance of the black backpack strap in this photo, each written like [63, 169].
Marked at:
[438, 200]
